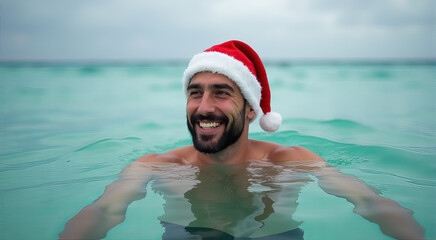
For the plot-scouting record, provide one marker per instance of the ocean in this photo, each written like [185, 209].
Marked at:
[68, 129]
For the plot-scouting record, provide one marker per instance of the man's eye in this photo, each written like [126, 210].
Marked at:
[194, 93]
[222, 93]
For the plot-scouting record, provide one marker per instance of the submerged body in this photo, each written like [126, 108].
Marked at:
[251, 199]
[254, 199]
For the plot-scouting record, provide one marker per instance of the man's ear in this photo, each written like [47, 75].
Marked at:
[250, 112]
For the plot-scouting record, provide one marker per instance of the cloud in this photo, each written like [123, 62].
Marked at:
[164, 29]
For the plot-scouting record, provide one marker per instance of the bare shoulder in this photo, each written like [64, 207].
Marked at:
[293, 153]
[174, 156]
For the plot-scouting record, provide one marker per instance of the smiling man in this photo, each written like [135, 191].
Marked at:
[210, 191]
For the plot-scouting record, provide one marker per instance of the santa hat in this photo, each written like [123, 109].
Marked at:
[239, 62]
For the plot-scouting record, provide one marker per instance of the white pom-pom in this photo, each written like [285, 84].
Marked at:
[270, 122]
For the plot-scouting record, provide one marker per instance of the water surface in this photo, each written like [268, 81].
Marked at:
[67, 130]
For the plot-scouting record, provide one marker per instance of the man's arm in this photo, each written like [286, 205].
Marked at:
[393, 219]
[96, 219]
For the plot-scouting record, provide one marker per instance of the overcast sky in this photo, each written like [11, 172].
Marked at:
[136, 30]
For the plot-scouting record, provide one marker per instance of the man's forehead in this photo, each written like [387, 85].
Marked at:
[210, 79]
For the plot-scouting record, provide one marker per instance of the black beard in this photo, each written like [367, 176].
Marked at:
[229, 137]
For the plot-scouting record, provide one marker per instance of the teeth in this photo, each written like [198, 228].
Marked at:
[209, 125]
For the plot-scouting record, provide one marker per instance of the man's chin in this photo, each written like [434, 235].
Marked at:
[207, 148]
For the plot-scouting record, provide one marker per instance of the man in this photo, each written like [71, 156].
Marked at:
[227, 88]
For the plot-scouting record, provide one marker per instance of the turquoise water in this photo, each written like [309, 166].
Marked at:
[67, 130]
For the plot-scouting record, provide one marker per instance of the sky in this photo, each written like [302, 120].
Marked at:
[144, 30]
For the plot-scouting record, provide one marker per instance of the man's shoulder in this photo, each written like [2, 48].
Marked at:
[178, 155]
[294, 153]
[278, 152]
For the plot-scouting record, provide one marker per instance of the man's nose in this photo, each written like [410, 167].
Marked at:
[207, 104]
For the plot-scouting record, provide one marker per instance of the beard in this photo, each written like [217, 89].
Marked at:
[231, 133]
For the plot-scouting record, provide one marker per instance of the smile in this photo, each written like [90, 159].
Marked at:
[209, 125]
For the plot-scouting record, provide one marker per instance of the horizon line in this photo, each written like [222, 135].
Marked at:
[176, 61]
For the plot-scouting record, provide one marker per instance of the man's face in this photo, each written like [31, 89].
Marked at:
[216, 112]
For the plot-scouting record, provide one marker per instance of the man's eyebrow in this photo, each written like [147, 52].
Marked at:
[222, 86]
[193, 86]
[212, 86]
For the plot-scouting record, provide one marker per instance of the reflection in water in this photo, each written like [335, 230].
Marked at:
[254, 199]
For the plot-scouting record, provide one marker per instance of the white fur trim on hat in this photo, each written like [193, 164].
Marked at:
[228, 66]
[270, 122]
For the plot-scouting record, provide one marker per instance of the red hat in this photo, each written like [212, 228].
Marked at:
[240, 63]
